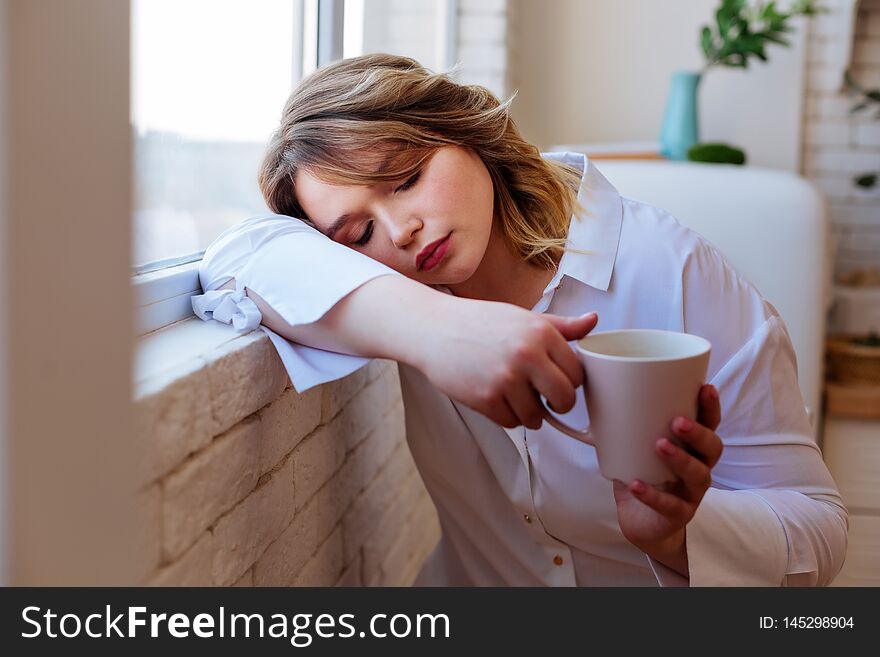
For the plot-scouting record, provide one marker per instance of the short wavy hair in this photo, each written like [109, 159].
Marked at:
[378, 118]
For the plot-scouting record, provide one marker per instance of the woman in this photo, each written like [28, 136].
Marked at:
[431, 233]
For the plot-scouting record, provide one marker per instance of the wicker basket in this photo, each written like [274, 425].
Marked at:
[851, 363]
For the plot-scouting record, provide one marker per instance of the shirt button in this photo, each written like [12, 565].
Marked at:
[527, 518]
[557, 560]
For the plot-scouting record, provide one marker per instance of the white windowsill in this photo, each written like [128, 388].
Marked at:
[162, 297]
[173, 346]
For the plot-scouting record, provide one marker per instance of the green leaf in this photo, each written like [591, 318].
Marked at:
[723, 21]
[706, 42]
[744, 28]
[874, 95]
[857, 108]
[776, 39]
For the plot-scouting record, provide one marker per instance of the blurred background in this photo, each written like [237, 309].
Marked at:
[130, 134]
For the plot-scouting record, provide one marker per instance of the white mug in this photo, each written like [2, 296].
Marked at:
[637, 382]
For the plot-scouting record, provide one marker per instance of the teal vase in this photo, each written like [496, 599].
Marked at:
[681, 128]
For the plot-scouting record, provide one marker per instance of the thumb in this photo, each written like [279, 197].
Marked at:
[573, 328]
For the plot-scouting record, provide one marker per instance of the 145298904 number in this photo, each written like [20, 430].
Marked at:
[817, 622]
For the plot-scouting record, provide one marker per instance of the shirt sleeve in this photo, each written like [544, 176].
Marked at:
[300, 273]
[773, 515]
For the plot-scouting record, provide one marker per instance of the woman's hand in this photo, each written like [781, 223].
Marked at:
[493, 357]
[654, 519]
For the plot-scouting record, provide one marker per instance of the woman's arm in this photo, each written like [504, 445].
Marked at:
[772, 515]
[490, 356]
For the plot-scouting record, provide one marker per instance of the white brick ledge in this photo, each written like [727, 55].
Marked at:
[195, 380]
[246, 482]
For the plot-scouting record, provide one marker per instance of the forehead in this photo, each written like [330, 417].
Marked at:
[314, 192]
[365, 165]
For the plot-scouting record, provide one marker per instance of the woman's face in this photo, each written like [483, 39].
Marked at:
[398, 223]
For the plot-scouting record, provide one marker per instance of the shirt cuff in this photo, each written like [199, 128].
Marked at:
[736, 539]
[308, 367]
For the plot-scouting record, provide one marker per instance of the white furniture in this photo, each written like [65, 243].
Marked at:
[771, 225]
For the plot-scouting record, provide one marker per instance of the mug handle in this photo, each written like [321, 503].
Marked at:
[584, 435]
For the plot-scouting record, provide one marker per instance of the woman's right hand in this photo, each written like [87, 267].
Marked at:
[495, 358]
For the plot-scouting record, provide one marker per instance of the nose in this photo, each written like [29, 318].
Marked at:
[402, 231]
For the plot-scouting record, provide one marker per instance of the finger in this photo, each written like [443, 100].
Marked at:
[694, 475]
[549, 380]
[573, 328]
[710, 407]
[671, 506]
[501, 413]
[701, 441]
[526, 405]
[567, 360]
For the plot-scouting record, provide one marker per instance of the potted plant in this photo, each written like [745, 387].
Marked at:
[741, 32]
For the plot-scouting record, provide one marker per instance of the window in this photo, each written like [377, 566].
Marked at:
[209, 79]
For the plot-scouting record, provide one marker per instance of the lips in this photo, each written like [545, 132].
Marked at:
[425, 253]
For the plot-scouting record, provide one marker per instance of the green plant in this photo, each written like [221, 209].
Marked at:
[864, 100]
[716, 152]
[742, 31]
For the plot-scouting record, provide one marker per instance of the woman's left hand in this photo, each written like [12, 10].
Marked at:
[654, 518]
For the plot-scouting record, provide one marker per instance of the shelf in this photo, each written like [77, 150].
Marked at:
[854, 401]
[623, 150]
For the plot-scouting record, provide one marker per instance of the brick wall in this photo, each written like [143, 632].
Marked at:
[482, 38]
[484, 48]
[258, 485]
[838, 146]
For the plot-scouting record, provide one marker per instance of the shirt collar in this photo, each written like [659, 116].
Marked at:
[596, 229]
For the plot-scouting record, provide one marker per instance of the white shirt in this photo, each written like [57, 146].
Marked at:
[523, 507]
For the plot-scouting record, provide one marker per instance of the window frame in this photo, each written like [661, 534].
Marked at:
[163, 288]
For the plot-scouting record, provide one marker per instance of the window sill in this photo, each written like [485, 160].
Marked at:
[163, 296]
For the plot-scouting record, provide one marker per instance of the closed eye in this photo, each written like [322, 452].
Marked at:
[366, 236]
[412, 180]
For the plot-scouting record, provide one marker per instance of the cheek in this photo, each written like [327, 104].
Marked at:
[464, 198]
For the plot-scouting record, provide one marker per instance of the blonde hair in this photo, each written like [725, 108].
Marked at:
[378, 118]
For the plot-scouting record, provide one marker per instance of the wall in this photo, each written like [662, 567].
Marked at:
[482, 31]
[837, 145]
[68, 338]
[598, 71]
[486, 48]
[258, 485]
[4, 474]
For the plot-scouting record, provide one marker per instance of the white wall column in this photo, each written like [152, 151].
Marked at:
[68, 300]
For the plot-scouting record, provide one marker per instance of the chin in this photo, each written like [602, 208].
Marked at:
[457, 277]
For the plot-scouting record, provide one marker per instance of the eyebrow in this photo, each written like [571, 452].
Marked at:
[338, 224]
